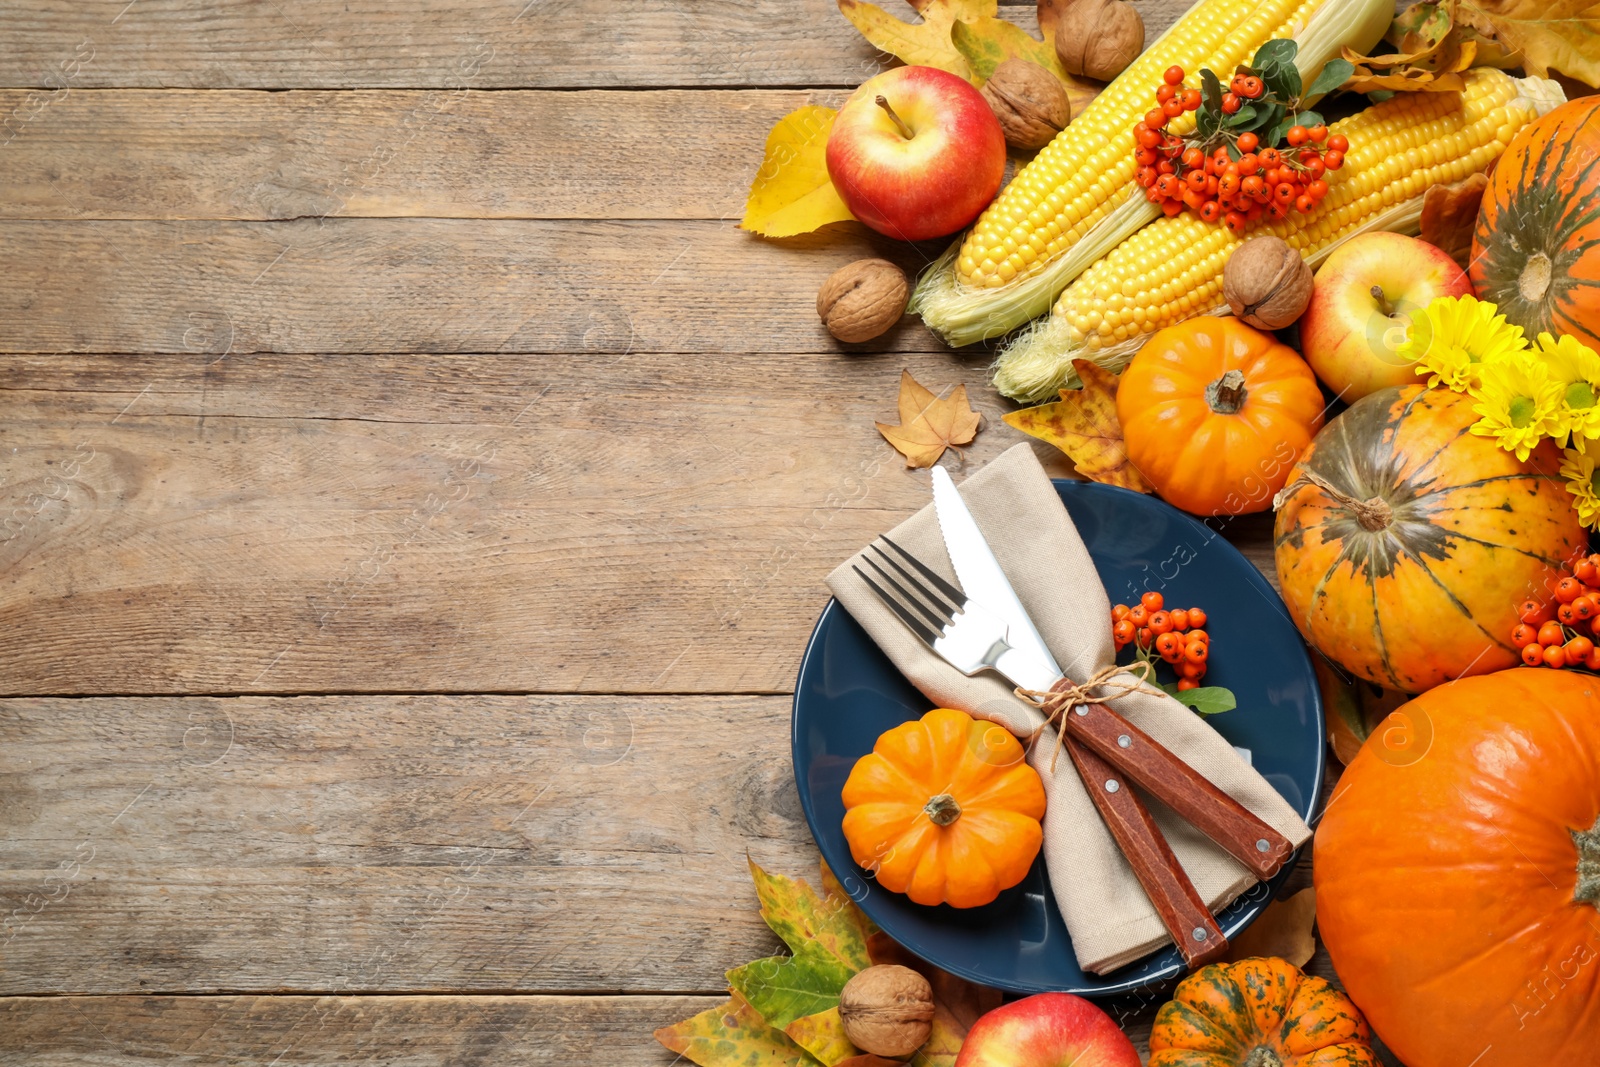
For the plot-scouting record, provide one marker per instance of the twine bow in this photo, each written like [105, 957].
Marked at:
[1056, 703]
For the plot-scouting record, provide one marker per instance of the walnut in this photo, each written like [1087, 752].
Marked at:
[1029, 101]
[1266, 283]
[887, 1010]
[861, 301]
[1097, 38]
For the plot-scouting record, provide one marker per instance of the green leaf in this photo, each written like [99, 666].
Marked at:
[1210, 90]
[1309, 119]
[1207, 699]
[1334, 74]
[733, 1035]
[797, 914]
[786, 988]
[1275, 136]
[1282, 80]
[1242, 117]
[1280, 50]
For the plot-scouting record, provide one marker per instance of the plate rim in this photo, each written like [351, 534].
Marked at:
[1133, 983]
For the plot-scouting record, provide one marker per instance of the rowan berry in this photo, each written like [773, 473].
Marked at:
[1186, 684]
[1247, 142]
[1334, 159]
[1318, 133]
[1231, 104]
[1578, 650]
[1297, 136]
[1191, 100]
[1180, 619]
[1165, 92]
[1173, 75]
[1533, 655]
[1535, 612]
[1123, 631]
[1196, 651]
[1338, 143]
[1555, 656]
[1564, 615]
[1523, 634]
[1586, 572]
[1583, 608]
[1568, 589]
[1252, 87]
[1152, 601]
[1550, 633]
[1144, 637]
[1197, 619]
[1210, 211]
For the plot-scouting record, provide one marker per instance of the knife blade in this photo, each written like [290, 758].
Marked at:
[980, 574]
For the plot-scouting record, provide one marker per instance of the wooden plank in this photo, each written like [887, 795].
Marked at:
[584, 523]
[176, 154]
[419, 1031]
[415, 844]
[428, 285]
[60, 45]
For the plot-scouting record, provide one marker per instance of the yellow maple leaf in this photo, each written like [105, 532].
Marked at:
[929, 424]
[1546, 35]
[1084, 425]
[823, 1036]
[791, 192]
[926, 43]
[986, 43]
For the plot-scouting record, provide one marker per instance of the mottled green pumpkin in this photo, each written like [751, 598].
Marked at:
[1261, 1012]
[1406, 543]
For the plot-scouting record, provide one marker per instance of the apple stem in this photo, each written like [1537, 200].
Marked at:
[899, 123]
[1383, 301]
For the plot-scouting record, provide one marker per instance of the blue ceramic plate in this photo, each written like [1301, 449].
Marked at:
[848, 693]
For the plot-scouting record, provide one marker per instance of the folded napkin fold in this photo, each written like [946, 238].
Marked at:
[1111, 920]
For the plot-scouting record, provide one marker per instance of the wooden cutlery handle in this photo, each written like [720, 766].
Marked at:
[1182, 912]
[1180, 787]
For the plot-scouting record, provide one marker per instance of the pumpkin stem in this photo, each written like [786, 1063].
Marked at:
[899, 123]
[942, 809]
[1373, 514]
[1588, 842]
[1262, 1056]
[1534, 281]
[1226, 395]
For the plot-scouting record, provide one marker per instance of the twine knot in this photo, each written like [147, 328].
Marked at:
[1066, 694]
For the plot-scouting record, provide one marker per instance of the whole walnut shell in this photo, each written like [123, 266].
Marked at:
[887, 1010]
[1266, 283]
[1029, 101]
[1097, 38]
[862, 300]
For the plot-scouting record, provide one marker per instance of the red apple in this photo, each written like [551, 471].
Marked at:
[916, 153]
[1047, 1030]
[1364, 297]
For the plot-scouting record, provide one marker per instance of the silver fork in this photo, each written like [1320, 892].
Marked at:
[968, 636]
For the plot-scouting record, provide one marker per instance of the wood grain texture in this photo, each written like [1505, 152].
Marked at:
[418, 1031]
[335, 524]
[175, 154]
[448, 44]
[390, 844]
[428, 285]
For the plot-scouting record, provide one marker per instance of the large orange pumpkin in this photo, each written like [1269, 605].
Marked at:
[1259, 1012]
[1405, 542]
[1215, 412]
[1458, 873]
[1536, 249]
[945, 810]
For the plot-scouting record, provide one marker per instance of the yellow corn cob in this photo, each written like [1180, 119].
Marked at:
[1172, 269]
[1074, 201]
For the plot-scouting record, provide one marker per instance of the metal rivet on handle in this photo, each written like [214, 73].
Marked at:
[1200, 933]
[1112, 785]
[1262, 846]
[1083, 709]
[1125, 741]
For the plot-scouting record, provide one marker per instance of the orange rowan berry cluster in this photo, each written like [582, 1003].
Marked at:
[1177, 635]
[1236, 187]
[1562, 633]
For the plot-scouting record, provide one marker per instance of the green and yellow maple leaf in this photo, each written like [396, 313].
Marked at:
[926, 43]
[733, 1035]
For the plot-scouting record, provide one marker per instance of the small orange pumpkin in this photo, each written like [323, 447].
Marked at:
[945, 809]
[1261, 1012]
[1215, 412]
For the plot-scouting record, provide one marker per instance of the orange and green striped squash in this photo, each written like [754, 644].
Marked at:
[1405, 543]
[1259, 1012]
[1536, 249]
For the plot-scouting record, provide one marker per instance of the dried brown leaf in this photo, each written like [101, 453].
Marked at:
[1545, 35]
[930, 424]
[1434, 69]
[1450, 213]
[1084, 425]
[1283, 930]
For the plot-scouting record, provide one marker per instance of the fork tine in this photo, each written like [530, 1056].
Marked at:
[938, 582]
[940, 619]
[906, 617]
[946, 612]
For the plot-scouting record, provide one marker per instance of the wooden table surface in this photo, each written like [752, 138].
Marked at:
[416, 496]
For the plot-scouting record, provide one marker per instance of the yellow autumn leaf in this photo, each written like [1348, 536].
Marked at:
[986, 43]
[929, 424]
[823, 1036]
[791, 192]
[1084, 425]
[926, 43]
[1546, 35]
[1282, 930]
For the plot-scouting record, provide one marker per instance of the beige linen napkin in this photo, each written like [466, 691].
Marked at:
[1111, 920]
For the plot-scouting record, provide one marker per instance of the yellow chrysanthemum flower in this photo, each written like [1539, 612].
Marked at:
[1583, 480]
[1577, 368]
[1453, 337]
[1517, 400]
